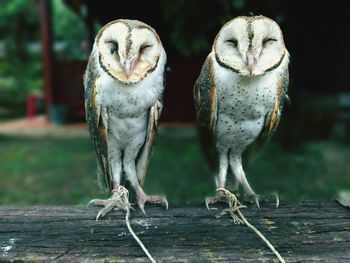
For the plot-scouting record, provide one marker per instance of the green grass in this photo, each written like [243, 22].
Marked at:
[46, 170]
[52, 170]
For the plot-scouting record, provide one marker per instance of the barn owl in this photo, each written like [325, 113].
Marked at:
[240, 93]
[124, 83]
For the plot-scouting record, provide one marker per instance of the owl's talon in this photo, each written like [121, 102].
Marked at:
[207, 203]
[257, 203]
[91, 203]
[154, 199]
[277, 200]
[142, 208]
[219, 197]
[266, 198]
[98, 215]
[211, 200]
[115, 202]
[253, 198]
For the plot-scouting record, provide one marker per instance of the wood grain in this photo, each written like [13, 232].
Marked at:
[301, 232]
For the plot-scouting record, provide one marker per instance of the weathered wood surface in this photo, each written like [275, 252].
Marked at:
[303, 232]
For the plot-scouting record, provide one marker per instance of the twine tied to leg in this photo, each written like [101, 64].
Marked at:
[239, 218]
[124, 200]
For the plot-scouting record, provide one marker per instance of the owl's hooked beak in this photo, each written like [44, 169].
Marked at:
[129, 65]
[250, 62]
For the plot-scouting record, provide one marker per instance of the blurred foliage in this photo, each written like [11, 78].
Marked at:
[190, 24]
[68, 29]
[21, 64]
[20, 71]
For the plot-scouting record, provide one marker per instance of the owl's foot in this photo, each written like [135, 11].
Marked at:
[118, 201]
[219, 197]
[142, 198]
[269, 198]
[254, 198]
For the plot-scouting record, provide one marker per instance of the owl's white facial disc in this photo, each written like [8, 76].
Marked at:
[250, 46]
[128, 50]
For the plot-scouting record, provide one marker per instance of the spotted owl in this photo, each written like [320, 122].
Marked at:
[240, 93]
[124, 84]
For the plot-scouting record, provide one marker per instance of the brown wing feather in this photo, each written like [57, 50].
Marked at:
[271, 121]
[144, 155]
[205, 98]
[273, 117]
[97, 126]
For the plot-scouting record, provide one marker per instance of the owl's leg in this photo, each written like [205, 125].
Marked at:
[115, 201]
[130, 155]
[115, 159]
[237, 169]
[220, 180]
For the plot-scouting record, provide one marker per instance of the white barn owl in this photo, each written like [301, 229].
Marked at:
[124, 83]
[240, 93]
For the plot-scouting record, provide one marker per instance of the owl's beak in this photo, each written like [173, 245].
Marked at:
[129, 65]
[250, 62]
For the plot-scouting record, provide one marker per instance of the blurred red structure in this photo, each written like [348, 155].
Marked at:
[31, 104]
[69, 88]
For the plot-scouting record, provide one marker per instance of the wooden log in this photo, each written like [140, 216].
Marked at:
[301, 232]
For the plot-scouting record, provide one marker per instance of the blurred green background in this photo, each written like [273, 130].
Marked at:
[58, 170]
[308, 158]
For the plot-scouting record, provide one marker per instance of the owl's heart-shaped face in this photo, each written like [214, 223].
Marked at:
[250, 46]
[128, 50]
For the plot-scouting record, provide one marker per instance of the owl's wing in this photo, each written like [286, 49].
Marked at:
[206, 104]
[96, 117]
[144, 155]
[272, 118]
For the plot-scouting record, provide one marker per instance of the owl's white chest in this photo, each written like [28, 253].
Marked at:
[128, 100]
[242, 106]
[126, 107]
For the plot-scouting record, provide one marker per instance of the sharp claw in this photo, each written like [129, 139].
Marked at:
[277, 200]
[256, 199]
[98, 215]
[142, 207]
[109, 204]
[219, 197]
[207, 203]
[155, 199]
[166, 204]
